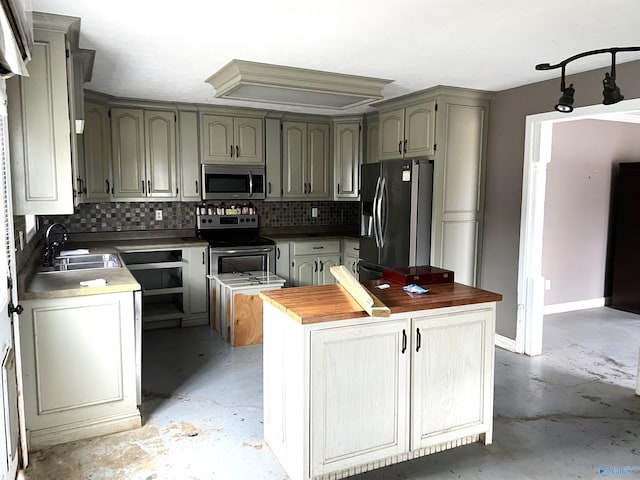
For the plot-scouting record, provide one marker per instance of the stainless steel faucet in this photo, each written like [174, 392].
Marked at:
[52, 248]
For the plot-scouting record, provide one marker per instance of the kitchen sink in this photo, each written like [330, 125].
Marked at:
[83, 262]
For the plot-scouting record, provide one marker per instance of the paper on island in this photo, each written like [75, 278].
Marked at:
[369, 302]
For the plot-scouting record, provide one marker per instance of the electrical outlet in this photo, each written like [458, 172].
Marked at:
[314, 212]
[547, 284]
[158, 214]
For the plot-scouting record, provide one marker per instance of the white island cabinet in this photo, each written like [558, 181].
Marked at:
[345, 393]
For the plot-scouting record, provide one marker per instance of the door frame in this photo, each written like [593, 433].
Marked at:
[537, 155]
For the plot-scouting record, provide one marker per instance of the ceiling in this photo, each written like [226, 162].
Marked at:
[165, 50]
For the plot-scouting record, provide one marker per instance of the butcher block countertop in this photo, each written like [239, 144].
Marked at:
[328, 303]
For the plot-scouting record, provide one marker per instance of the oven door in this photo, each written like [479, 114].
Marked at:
[241, 259]
[230, 182]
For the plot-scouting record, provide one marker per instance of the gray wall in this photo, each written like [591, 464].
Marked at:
[505, 154]
[576, 214]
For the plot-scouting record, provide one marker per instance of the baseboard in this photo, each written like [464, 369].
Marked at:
[573, 306]
[505, 343]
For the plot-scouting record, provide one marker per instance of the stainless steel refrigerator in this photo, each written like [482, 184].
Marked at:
[395, 207]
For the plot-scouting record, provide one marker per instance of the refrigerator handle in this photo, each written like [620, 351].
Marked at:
[381, 199]
[375, 218]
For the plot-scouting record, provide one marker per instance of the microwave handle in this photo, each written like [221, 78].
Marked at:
[250, 184]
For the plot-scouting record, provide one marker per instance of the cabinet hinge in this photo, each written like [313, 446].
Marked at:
[9, 283]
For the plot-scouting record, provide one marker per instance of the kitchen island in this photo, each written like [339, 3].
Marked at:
[345, 393]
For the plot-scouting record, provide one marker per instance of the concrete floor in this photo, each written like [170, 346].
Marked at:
[570, 413]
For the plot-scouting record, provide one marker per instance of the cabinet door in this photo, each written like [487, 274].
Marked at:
[248, 140]
[294, 158]
[325, 263]
[97, 152]
[127, 142]
[304, 271]
[273, 160]
[160, 150]
[391, 134]
[452, 367]
[352, 264]
[346, 160]
[40, 132]
[373, 140]
[318, 161]
[282, 260]
[359, 395]
[196, 282]
[217, 139]
[189, 159]
[419, 129]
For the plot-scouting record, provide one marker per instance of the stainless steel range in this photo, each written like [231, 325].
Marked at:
[234, 244]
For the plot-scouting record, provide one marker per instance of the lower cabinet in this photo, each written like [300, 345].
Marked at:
[358, 414]
[312, 261]
[174, 285]
[78, 367]
[377, 391]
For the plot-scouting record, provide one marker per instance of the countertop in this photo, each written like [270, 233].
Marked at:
[309, 237]
[332, 302]
[67, 284]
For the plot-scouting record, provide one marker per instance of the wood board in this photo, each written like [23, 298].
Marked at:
[367, 300]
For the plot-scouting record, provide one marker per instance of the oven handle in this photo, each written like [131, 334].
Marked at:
[253, 250]
[250, 184]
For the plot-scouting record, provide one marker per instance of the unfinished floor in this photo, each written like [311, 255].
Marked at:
[570, 413]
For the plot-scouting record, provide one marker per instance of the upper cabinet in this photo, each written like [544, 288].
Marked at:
[372, 139]
[97, 153]
[42, 122]
[305, 161]
[189, 159]
[144, 154]
[347, 155]
[407, 132]
[231, 140]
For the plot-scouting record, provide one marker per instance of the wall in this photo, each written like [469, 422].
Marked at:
[134, 216]
[505, 155]
[576, 215]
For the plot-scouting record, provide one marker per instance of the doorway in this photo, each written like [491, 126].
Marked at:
[531, 283]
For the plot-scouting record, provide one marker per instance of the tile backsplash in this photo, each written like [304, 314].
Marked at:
[130, 216]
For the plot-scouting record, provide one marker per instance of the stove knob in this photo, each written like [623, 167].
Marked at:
[210, 220]
[241, 220]
[253, 219]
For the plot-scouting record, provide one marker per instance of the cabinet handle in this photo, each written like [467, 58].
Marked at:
[231, 151]
[203, 261]
[277, 253]
[400, 147]
[143, 190]
[317, 248]
[237, 151]
[338, 189]
[107, 182]
[269, 188]
[315, 263]
[405, 146]
[321, 266]
[149, 187]
[419, 339]
[197, 187]
[404, 340]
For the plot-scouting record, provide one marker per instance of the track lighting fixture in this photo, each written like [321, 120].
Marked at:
[611, 92]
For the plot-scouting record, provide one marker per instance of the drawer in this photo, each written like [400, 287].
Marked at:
[318, 247]
[351, 247]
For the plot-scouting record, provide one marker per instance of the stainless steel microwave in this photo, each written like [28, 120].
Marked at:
[230, 182]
